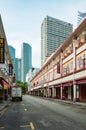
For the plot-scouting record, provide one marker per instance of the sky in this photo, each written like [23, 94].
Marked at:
[22, 21]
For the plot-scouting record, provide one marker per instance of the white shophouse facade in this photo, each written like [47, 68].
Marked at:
[63, 76]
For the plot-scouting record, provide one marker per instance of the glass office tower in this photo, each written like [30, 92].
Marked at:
[81, 17]
[26, 60]
[14, 61]
[12, 53]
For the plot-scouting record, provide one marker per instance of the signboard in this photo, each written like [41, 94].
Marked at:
[5, 84]
[2, 50]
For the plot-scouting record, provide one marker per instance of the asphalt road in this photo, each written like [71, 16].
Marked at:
[34, 113]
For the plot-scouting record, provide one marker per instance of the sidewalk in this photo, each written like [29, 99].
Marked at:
[67, 102]
[3, 105]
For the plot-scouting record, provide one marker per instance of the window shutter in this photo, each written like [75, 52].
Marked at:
[58, 67]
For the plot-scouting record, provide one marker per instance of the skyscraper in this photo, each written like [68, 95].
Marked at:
[81, 17]
[16, 68]
[26, 60]
[12, 53]
[53, 33]
[19, 69]
[15, 62]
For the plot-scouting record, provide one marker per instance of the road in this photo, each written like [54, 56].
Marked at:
[34, 113]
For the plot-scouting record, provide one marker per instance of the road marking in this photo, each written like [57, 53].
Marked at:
[32, 126]
[24, 126]
[28, 125]
[68, 107]
[1, 128]
[25, 109]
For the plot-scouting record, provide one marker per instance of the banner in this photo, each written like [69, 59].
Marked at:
[5, 84]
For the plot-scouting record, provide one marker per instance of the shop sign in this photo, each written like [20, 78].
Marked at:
[2, 50]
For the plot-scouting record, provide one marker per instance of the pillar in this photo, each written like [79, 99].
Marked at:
[61, 92]
[74, 92]
[53, 92]
[77, 93]
[50, 92]
[45, 92]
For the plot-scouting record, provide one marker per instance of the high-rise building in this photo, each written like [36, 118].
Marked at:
[31, 73]
[53, 33]
[16, 68]
[26, 60]
[15, 62]
[81, 17]
[19, 69]
[12, 53]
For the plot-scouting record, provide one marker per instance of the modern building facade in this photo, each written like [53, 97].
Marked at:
[53, 33]
[31, 73]
[64, 74]
[19, 69]
[15, 62]
[81, 17]
[12, 53]
[16, 68]
[26, 60]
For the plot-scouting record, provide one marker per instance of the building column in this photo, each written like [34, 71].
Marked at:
[77, 93]
[44, 92]
[48, 92]
[53, 92]
[74, 92]
[61, 92]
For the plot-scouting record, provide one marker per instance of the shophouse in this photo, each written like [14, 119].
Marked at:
[6, 66]
[63, 76]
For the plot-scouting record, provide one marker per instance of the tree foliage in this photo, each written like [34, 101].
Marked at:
[23, 85]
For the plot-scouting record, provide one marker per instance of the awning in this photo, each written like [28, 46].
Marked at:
[5, 84]
[82, 81]
[58, 85]
[67, 84]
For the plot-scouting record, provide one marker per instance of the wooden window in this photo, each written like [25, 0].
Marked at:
[58, 67]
